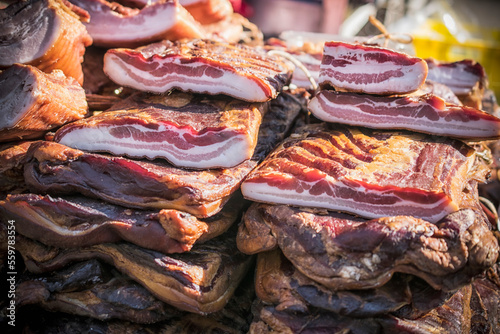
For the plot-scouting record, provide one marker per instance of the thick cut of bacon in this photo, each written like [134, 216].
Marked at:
[370, 69]
[57, 169]
[462, 77]
[12, 158]
[208, 11]
[200, 281]
[426, 113]
[343, 252]
[372, 173]
[200, 66]
[114, 25]
[188, 130]
[78, 221]
[33, 102]
[43, 33]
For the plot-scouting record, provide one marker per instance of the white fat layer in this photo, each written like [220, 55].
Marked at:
[458, 80]
[151, 21]
[262, 192]
[230, 83]
[223, 154]
[352, 115]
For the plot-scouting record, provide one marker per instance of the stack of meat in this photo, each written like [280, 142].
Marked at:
[369, 220]
[127, 214]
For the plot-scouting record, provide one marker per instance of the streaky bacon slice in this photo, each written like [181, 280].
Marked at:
[114, 25]
[372, 173]
[200, 66]
[77, 221]
[56, 169]
[33, 102]
[188, 130]
[425, 113]
[370, 69]
[46, 34]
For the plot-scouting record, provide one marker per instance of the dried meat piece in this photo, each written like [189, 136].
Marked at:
[115, 25]
[372, 173]
[208, 11]
[426, 113]
[93, 290]
[201, 281]
[33, 102]
[76, 221]
[370, 69]
[343, 252]
[44, 33]
[57, 169]
[12, 158]
[187, 130]
[200, 66]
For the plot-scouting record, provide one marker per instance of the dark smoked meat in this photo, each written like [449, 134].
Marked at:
[372, 173]
[115, 25]
[12, 159]
[279, 283]
[91, 289]
[426, 113]
[370, 69]
[200, 66]
[78, 222]
[199, 281]
[188, 130]
[57, 169]
[342, 252]
[44, 33]
[33, 102]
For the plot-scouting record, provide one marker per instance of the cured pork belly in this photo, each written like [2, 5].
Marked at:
[466, 78]
[92, 289]
[57, 169]
[208, 11]
[372, 173]
[200, 66]
[43, 33]
[342, 252]
[76, 221]
[370, 69]
[425, 113]
[277, 282]
[200, 281]
[188, 130]
[33, 102]
[114, 25]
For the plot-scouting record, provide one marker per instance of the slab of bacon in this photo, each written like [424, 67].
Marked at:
[57, 169]
[188, 130]
[33, 102]
[200, 66]
[372, 173]
[425, 113]
[466, 78]
[370, 69]
[43, 33]
[199, 281]
[114, 25]
[343, 252]
[76, 221]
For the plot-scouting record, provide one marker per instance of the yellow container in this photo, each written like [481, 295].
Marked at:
[434, 40]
